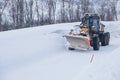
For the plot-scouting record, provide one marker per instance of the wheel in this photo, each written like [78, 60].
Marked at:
[100, 37]
[107, 38]
[96, 44]
[71, 48]
[103, 40]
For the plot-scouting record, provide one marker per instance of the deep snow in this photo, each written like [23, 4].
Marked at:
[40, 54]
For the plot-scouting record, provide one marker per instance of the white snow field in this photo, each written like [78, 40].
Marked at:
[40, 53]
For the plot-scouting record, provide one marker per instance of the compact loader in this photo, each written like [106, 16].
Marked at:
[89, 33]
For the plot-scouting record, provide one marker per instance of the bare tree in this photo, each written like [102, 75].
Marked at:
[102, 11]
[31, 12]
[78, 11]
[3, 5]
[71, 10]
[63, 11]
[51, 11]
[85, 6]
[42, 13]
[13, 10]
[113, 4]
[38, 14]
[108, 10]
[21, 6]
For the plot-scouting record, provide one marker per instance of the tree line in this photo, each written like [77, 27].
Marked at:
[16, 14]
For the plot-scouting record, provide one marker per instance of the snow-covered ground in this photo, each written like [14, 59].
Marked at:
[40, 54]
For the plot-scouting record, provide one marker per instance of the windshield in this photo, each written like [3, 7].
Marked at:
[96, 24]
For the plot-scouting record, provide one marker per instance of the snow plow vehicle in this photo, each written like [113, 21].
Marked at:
[89, 33]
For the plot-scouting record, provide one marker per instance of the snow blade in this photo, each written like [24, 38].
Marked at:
[77, 41]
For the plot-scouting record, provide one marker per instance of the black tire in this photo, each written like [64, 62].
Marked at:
[71, 48]
[100, 37]
[103, 40]
[96, 44]
[107, 38]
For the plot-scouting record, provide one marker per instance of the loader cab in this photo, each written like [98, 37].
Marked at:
[92, 22]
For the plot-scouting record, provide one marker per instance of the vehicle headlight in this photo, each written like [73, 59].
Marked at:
[93, 27]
